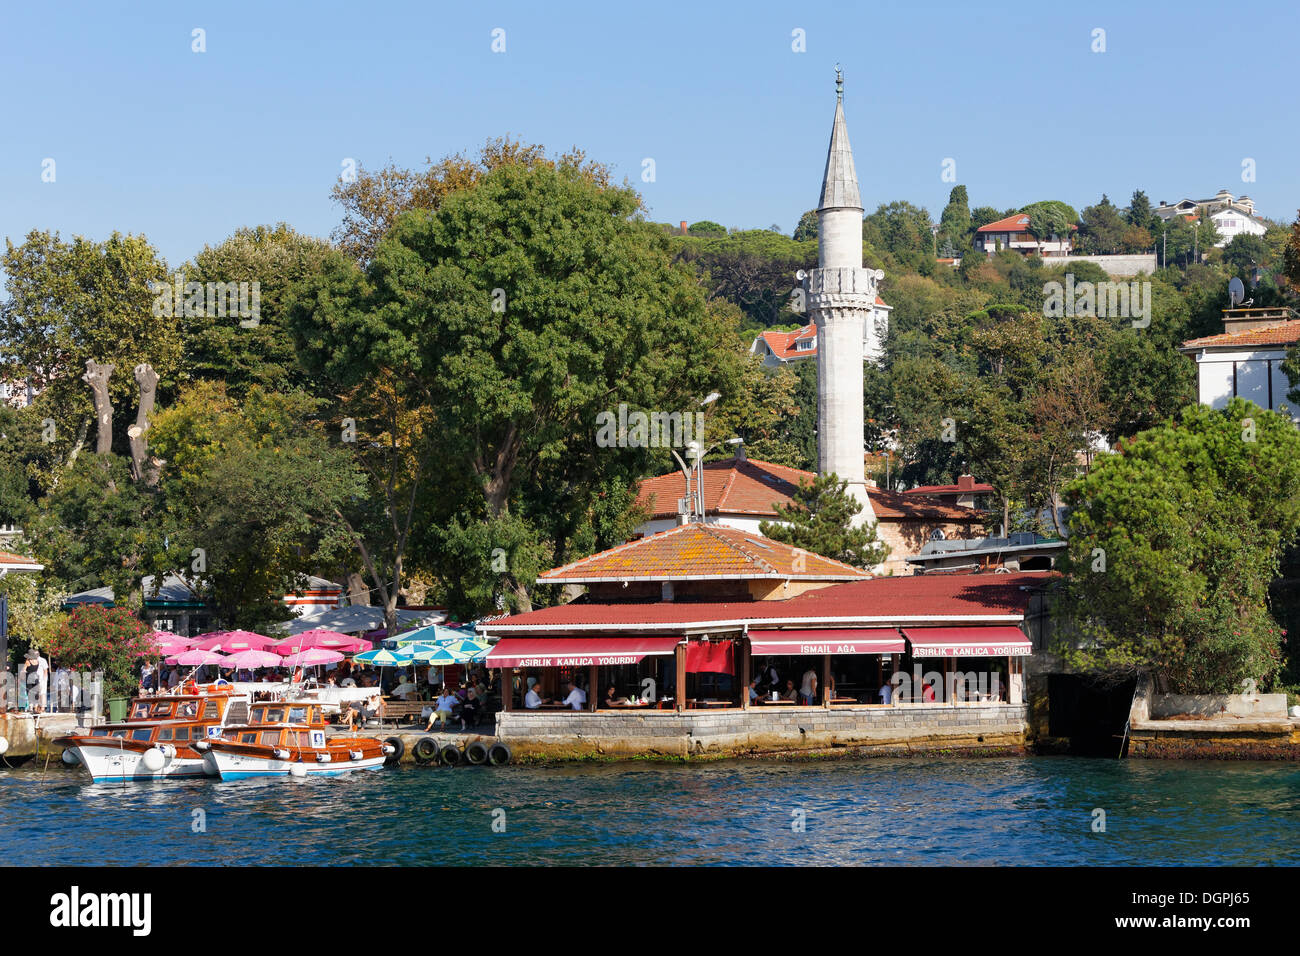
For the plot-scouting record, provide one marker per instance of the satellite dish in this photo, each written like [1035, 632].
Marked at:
[1236, 292]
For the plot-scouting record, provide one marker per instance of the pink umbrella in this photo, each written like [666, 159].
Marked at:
[165, 643]
[319, 637]
[232, 641]
[197, 657]
[251, 658]
[311, 657]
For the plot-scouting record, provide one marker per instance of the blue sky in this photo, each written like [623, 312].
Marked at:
[148, 136]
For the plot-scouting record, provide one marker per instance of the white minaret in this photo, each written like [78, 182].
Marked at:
[840, 296]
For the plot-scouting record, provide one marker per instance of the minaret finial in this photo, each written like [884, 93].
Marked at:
[839, 84]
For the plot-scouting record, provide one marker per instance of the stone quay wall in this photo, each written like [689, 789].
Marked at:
[762, 731]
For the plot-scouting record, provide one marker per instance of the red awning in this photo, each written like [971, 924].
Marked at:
[968, 642]
[576, 651]
[838, 640]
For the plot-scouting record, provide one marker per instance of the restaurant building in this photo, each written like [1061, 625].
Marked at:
[672, 631]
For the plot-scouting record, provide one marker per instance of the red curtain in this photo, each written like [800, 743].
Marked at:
[706, 657]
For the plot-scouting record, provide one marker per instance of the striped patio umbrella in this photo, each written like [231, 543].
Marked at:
[440, 657]
[383, 657]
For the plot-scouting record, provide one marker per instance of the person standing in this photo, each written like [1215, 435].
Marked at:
[36, 678]
[808, 690]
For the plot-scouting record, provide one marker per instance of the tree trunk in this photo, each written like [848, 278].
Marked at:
[97, 377]
[147, 379]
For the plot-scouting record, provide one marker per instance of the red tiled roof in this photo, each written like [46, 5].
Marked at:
[748, 486]
[783, 344]
[19, 563]
[1283, 333]
[979, 488]
[696, 551]
[890, 600]
[1016, 223]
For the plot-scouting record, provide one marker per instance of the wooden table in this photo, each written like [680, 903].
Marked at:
[768, 702]
[703, 704]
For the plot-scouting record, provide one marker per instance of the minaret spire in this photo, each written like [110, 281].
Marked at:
[841, 296]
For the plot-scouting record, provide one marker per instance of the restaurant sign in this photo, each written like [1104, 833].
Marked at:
[595, 660]
[971, 650]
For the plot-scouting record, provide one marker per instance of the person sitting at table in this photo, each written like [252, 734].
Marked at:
[469, 710]
[577, 698]
[405, 689]
[791, 692]
[927, 691]
[611, 697]
[443, 710]
[754, 692]
[532, 699]
[886, 692]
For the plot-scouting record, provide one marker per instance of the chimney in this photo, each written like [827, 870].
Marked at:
[685, 231]
[740, 452]
[965, 482]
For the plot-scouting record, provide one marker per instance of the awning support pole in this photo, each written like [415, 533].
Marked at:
[826, 681]
[679, 694]
[746, 669]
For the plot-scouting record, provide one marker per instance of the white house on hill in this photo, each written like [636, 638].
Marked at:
[1244, 360]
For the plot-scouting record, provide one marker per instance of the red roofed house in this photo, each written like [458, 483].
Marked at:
[16, 562]
[1244, 360]
[1013, 233]
[778, 348]
[743, 492]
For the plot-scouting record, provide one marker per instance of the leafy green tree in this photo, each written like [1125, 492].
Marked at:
[707, 227]
[820, 519]
[807, 226]
[955, 221]
[1101, 230]
[1174, 542]
[1139, 214]
[1244, 253]
[235, 351]
[257, 486]
[902, 231]
[982, 216]
[372, 200]
[753, 268]
[590, 312]
[72, 301]
[1050, 218]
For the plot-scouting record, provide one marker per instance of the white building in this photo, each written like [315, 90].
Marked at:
[1245, 359]
[1013, 233]
[1232, 216]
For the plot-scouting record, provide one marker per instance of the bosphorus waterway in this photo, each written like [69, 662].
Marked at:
[918, 811]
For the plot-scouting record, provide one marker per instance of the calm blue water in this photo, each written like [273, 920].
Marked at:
[1035, 810]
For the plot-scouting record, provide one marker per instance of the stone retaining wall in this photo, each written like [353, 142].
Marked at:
[560, 735]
